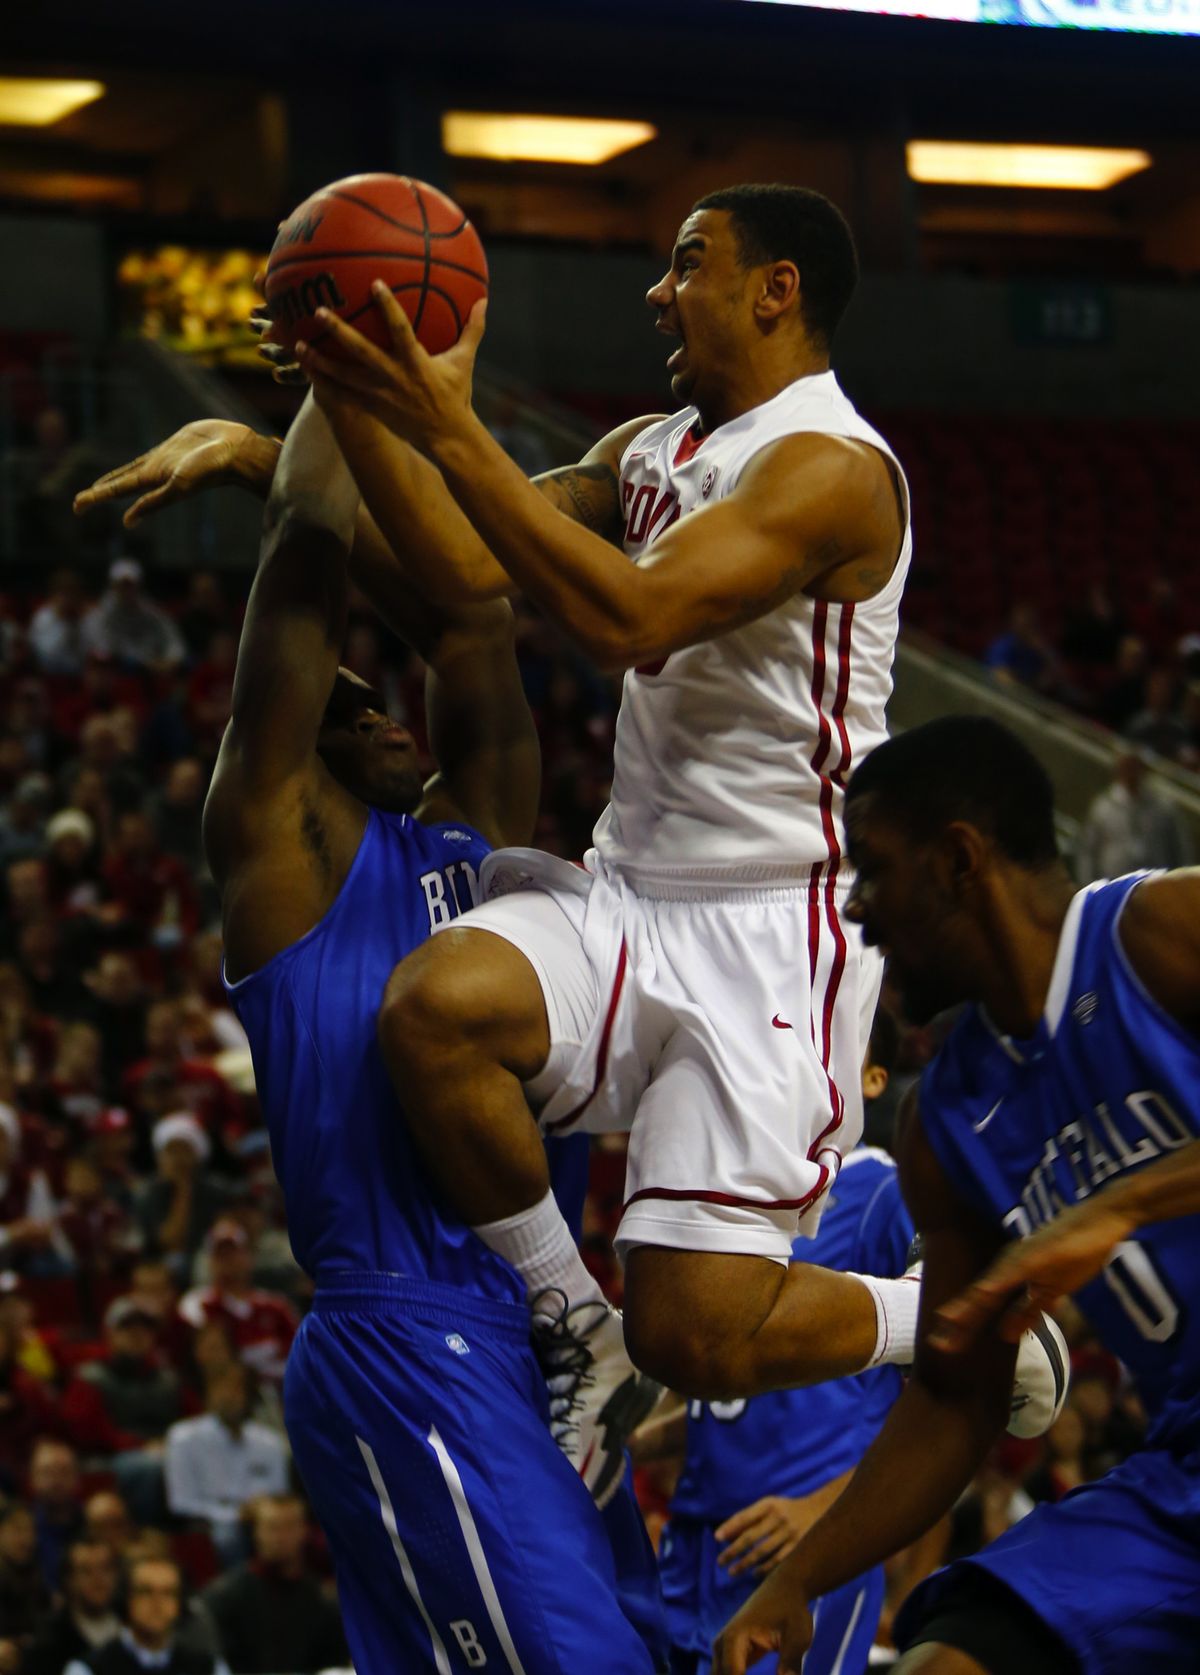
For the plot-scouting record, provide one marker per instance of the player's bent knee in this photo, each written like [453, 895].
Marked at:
[464, 998]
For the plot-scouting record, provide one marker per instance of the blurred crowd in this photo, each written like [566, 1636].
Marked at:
[1136, 674]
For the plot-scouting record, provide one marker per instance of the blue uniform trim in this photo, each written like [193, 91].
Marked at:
[421, 1300]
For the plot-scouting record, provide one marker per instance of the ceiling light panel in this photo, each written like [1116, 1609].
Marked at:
[31, 102]
[526, 138]
[1075, 167]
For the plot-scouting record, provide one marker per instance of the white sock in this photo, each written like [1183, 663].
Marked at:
[538, 1244]
[896, 1305]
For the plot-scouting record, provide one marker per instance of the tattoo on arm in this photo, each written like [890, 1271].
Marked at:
[591, 494]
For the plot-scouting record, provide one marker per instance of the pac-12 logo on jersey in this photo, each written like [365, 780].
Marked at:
[449, 891]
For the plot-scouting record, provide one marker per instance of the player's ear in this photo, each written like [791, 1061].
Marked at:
[964, 853]
[779, 291]
[874, 1081]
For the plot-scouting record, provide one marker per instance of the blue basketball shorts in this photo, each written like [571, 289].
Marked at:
[461, 1536]
[701, 1597]
[1112, 1570]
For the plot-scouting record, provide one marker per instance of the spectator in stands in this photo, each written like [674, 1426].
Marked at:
[151, 1639]
[107, 1518]
[154, 890]
[102, 742]
[1158, 725]
[27, 1411]
[261, 1326]
[216, 1463]
[24, 1595]
[112, 1143]
[23, 819]
[199, 1085]
[29, 720]
[56, 1504]
[203, 613]
[52, 975]
[87, 1617]
[97, 1238]
[56, 628]
[271, 1613]
[128, 1398]
[1094, 629]
[129, 627]
[72, 874]
[74, 1093]
[210, 691]
[177, 813]
[1022, 656]
[27, 890]
[26, 1202]
[118, 1009]
[33, 1352]
[86, 790]
[177, 1208]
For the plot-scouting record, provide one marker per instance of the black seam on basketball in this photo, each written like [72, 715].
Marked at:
[411, 285]
[316, 258]
[420, 203]
[382, 214]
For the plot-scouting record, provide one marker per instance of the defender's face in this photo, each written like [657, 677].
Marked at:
[368, 753]
[903, 911]
[704, 299]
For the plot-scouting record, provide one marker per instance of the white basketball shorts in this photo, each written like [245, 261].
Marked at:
[725, 1029]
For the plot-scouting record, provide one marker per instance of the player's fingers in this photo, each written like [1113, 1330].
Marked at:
[123, 479]
[153, 502]
[467, 346]
[344, 373]
[958, 1322]
[734, 1525]
[1025, 1312]
[353, 348]
[404, 339]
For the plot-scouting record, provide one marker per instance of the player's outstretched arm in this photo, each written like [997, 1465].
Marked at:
[291, 639]
[932, 1443]
[806, 506]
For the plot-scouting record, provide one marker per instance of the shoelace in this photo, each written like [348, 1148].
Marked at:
[565, 1358]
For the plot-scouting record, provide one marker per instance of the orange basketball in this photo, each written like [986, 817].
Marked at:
[368, 227]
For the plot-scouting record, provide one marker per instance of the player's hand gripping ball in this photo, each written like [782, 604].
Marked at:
[368, 227]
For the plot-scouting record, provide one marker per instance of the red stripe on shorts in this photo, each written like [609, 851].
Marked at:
[602, 1051]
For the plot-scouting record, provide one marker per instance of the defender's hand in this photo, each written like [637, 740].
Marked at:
[1030, 1275]
[421, 397]
[200, 456]
[776, 1618]
[762, 1534]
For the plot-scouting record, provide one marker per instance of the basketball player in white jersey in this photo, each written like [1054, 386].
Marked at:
[696, 982]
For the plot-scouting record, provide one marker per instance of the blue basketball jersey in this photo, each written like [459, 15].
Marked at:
[357, 1196]
[1107, 1084]
[790, 1442]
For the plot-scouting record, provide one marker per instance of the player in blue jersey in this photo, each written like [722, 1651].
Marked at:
[1068, 1088]
[418, 1415]
[794, 1451]
[755, 1471]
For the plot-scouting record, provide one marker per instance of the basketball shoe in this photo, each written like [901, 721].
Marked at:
[597, 1395]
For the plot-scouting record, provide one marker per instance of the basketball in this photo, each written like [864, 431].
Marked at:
[332, 248]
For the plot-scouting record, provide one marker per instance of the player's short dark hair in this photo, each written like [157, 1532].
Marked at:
[964, 767]
[795, 224]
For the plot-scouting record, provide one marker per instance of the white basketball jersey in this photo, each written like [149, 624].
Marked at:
[731, 756]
